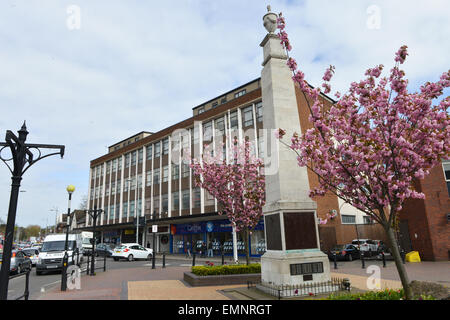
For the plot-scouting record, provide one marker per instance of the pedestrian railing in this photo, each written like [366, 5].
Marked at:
[26, 292]
[307, 289]
[86, 265]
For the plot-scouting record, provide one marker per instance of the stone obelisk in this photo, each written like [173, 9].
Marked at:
[293, 254]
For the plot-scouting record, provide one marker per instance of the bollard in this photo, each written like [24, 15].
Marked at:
[335, 263]
[27, 281]
[223, 258]
[153, 260]
[384, 259]
[164, 260]
[402, 254]
[88, 264]
[104, 263]
[64, 274]
[362, 260]
[193, 259]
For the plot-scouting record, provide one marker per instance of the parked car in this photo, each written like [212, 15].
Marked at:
[19, 262]
[344, 252]
[33, 254]
[366, 246]
[131, 251]
[103, 249]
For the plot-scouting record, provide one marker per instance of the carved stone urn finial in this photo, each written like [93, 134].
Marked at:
[270, 20]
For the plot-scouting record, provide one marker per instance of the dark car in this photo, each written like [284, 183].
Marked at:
[103, 249]
[19, 262]
[344, 252]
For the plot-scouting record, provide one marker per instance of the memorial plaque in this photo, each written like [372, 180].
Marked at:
[300, 230]
[273, 231]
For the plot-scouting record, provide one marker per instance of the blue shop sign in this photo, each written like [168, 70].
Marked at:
[210, 226]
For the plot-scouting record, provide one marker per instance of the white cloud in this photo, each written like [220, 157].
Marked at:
[141, 65]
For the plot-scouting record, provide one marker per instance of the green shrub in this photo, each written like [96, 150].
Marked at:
[388, 294]
[226, 269]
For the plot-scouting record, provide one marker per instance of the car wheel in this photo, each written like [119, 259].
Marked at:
[130, 257]
[349, 257]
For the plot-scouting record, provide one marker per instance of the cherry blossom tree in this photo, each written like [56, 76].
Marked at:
[236, 180]
[372, 143]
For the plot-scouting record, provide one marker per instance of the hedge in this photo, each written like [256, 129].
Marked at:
[387, 294]
[226, 269]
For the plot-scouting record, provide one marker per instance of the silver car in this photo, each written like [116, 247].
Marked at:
[19, 262]
[33, 254]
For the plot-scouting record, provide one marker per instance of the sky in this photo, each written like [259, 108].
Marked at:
[87, 74]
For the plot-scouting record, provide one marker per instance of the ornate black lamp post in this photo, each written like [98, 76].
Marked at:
[22, 159]
[70, 189]
[94, 214]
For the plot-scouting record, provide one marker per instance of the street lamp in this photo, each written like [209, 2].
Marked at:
[94, 214]
[70, 189]
[22, 159]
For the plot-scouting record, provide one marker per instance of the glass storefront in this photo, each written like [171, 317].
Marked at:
[216, 234]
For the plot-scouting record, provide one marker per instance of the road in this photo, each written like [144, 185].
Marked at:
[45, 281]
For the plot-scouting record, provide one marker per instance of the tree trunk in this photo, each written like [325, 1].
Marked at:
[398, 262]
[247, 247]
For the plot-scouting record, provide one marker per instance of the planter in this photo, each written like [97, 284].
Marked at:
[195, 280]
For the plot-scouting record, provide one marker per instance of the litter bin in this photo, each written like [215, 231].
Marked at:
[413, 256]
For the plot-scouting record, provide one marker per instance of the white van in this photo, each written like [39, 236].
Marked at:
[87, 237]
[52, 252]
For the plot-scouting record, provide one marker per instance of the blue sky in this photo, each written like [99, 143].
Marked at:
[143, 65]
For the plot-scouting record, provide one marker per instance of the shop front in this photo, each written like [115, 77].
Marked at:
[217, 234]
[160, 238]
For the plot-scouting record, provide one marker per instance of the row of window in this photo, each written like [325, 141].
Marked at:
[154, 150]
[129, 207]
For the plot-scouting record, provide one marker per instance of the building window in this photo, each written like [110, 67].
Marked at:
[259, 112]
[140, 155]
[348, 219]
[446, 166]
[119, 164]
[201, 110]
[127, 160]
[185, 170]
[207, 131]
[156, 204]
[113, 188]
[248, 116]
[132, 208]
[233, 120]
[197, 201]
[111, 212]
[149, 152]
[148, 204]
[139, 181]
[186, 199]
[156, 176]
[224, 100]
[220, 126]
[118, 187]
[175, 172]
[157, 150]
[215, 104]
[166, 146]
[240, 93]
[367, 220]
[139, 208]
[133, 158]
[133, 183]
[165, 176]
[125, 210]
[114, 165]
[175, 200]
[108, 167]
[165, 203]
[149, 178]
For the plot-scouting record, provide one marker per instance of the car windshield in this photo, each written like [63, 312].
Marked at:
[349, 246]
[87, 240]
[56, 246]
